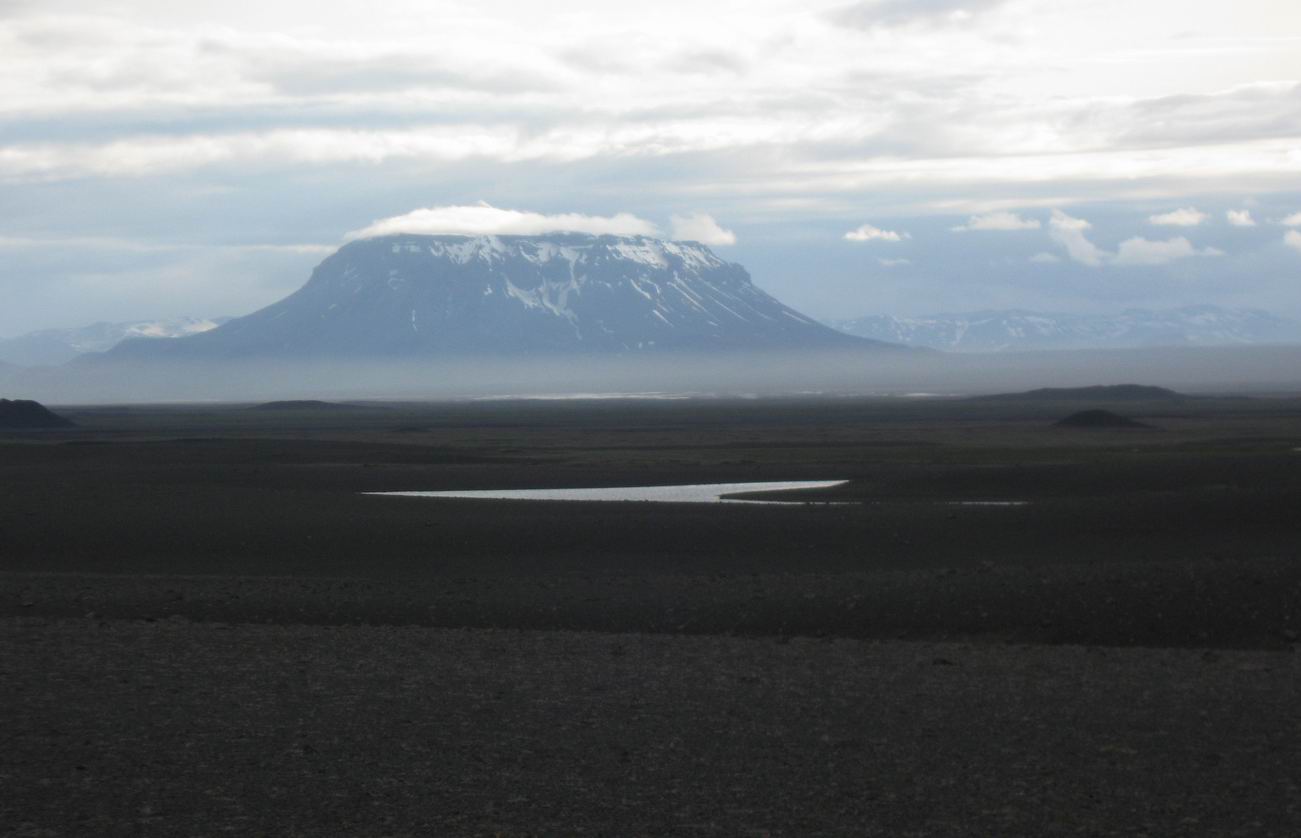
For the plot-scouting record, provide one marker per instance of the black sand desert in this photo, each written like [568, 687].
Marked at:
[1001, 626]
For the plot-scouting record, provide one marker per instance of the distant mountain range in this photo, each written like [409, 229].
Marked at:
[51, 347]
[995, 331]
[410, 296]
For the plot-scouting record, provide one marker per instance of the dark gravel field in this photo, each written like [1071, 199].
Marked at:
[175, 728]
[206, 627]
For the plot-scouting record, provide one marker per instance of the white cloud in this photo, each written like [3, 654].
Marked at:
[1140, 251]
[700, 227]
[1240, 218]
[1069, 233]
[1185, 217]
[1062, 221]
[483, 219]
[998, 221]
[867, 233]
[1293, 220]
[894, 263]
[1045, 258]
[1293, 240]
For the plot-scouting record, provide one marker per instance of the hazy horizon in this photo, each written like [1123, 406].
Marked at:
[750, 374]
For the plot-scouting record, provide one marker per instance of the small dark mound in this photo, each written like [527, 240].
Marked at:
[301, 404]
[1098, 393]
[1099, 419]
[24, 415]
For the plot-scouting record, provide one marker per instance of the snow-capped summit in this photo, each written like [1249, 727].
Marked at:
[419, 295]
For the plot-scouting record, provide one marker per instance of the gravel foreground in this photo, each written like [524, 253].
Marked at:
[127, 727]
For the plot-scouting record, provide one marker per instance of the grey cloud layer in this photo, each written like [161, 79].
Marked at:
[877, 115]
[1252, 112]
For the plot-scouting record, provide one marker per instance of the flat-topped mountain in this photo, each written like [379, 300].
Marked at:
[422, 296]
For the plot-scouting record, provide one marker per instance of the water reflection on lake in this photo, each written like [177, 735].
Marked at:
[691, 493]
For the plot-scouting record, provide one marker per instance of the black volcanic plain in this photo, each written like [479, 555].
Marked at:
[205, 624]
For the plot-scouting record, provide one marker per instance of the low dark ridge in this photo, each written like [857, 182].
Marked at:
[1099, 419]
[1098, 393]
[22, 414]
[302, 404]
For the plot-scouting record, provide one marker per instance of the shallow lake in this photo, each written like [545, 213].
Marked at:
[690, 493]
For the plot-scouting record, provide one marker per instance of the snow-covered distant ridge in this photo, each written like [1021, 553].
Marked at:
[413, 295]
[1015, 329]
[51, 347]
[170, 328]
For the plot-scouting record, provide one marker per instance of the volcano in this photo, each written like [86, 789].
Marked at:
[408, 296]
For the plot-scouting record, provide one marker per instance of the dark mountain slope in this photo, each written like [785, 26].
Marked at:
[20, 414]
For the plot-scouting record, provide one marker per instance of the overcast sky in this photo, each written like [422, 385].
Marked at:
[161, 159]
